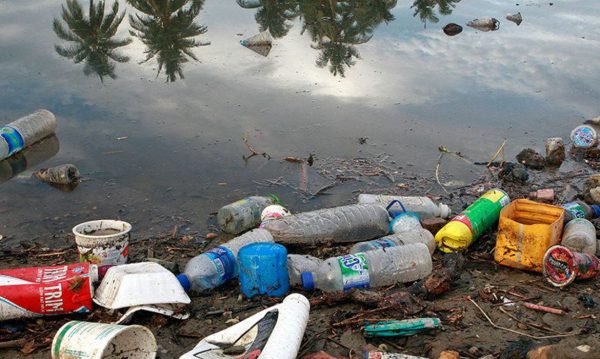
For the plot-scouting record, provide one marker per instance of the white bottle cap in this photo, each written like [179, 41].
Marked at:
[445, 211]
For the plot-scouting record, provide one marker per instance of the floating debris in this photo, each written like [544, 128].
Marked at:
[484, 24]
[516, 18]
[260, 43]
[452, 29]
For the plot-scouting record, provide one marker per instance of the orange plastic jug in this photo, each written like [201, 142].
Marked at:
[526, 229]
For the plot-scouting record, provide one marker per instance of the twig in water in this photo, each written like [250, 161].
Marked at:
[500, 149]
[254, 152]
[518, 332]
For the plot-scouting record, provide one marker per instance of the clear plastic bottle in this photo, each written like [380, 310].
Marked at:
[398, 239]
[213, 268]
[244, 214]
[376, 268]
[423, 206]
[580, 209]
[26, 131]
[579, 235]
[300, 263]
[354, 223]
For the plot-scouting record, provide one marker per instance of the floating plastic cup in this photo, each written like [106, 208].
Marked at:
[562, 266]
[103, 242]
[263, 270]
[76, 340]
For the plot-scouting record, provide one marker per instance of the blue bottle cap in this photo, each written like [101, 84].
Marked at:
[184, 281]
[308, 281]
[596, 209]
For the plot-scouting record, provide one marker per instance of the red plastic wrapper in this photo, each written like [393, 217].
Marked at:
[562, 266]
[39, 291]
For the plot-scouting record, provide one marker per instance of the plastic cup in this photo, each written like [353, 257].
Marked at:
[562, 266]
[103, 242]
[79, 340]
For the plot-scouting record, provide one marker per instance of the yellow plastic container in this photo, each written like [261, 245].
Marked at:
[526, 229]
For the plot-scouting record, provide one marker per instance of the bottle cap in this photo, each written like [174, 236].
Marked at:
[445, 211]
[308, 281]
[596, 210]
[184, 281]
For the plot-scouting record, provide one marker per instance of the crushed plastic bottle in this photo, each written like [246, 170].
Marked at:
[343, 224]
[580, 209]
[376, 268]
[579, 235]
[423, 206]
[244, 214]
[300, 263]
[399, 239]
[213, 268]
[26, 131]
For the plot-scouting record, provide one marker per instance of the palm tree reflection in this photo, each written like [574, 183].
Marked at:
[168, 30]
[273, 15]
[337, 26]
[92, 37]
[426, 9]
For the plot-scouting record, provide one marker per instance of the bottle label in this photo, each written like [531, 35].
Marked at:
[575, 209]
[224, 262]
[497, 197]
[383, 243]
[13, 139]
[355, 271]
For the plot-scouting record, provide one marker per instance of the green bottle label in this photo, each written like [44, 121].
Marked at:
[355, 271]
[483, 213]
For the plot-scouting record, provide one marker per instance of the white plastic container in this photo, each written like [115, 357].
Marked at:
[416, 236]
[84, 340]
[103, 242]
[423, 206]
[358, 222]
[300, 263]
[579, 235]
[139, 284]
[218, 265]
[376, 268]
[26, 131]
[286, 321]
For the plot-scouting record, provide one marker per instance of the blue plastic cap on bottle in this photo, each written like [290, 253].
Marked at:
[596, 209]
[308, 281]
[184, 281]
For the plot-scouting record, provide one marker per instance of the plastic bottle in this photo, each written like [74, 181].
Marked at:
[580, 209]
[423, 206]
[26, 131]
[213, 268]
[376, 268]
[63, 174]
[471, 223]
[399, 239]
[300, 263]
[244, 214]
[579, 235]
[353, 223]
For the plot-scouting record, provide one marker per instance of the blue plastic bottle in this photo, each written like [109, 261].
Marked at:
[264, 270]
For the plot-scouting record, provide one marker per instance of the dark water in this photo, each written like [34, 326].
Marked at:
[158, 134]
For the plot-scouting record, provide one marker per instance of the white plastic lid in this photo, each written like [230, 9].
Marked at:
[445, 211]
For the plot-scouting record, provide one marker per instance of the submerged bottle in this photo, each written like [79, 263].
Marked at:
[580, 209]
[579, 235]
[398, 239]
[376, 268]
[423, 206]
[471, 223]
[244, 214]
[213, 268]
[353, 223]
[300, 263]
[26, 131]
